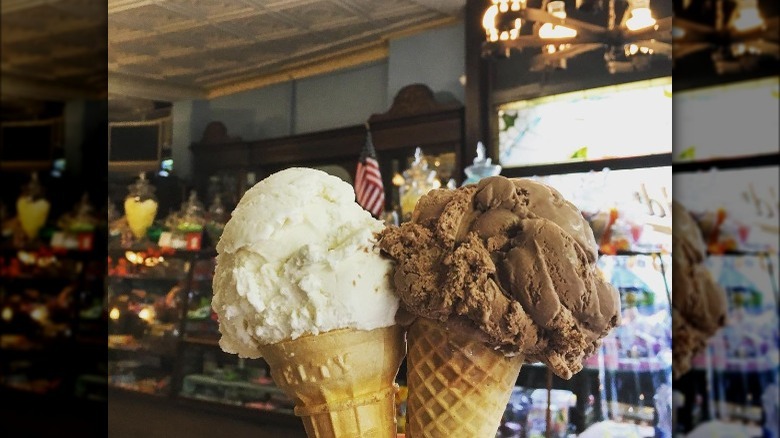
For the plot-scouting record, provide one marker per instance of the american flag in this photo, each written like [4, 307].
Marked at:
[369, 190]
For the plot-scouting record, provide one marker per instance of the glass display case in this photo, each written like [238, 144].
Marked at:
[51, 311]
[211, 375]
[145, 297]
[164, 336]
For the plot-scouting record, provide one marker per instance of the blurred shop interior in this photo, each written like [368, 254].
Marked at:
[205, 100]
[726, 169]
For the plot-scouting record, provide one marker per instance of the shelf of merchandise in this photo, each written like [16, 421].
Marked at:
[187, 340]
[581, 384]
[75, 342]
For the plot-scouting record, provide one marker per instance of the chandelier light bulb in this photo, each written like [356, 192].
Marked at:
[747, 16]
[489, 23]
[641, 15]
[550, 31]
[490, 20]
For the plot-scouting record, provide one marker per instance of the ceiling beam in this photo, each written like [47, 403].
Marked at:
[16, 86]
[8, 6]
[123, 5]
[125, 85]
[331, 62]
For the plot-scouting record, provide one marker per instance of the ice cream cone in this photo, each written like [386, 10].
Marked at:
[458, 386]
[343, 381]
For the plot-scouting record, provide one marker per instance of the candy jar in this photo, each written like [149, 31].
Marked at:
[140, 206]
[216, 218]
[82, 218]
[192, 216]
[32, 208]
[418, 180]
[481, 167]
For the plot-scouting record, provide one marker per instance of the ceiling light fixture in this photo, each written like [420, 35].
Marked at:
[631, 31]
[641, 15]
[556, 8]
[501, 21]
[633, 49]
[746, 16]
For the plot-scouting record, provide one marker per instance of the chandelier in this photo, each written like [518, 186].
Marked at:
[737, 37]
[627, 41]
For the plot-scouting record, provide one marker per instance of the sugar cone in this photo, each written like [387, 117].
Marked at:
[343, 381]
[458, 386]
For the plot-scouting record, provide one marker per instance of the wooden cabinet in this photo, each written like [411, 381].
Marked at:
[415, 119]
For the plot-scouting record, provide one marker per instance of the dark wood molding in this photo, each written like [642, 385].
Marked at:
[413, 100]
[415, 119]
[748, 162]
[656, 160]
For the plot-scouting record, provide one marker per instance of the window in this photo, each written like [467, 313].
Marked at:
[625, 120]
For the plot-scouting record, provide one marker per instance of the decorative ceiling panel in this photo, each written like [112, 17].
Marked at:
[153, 19]
[211, 10]
[265, 27]
[209, 47]
[54, 49]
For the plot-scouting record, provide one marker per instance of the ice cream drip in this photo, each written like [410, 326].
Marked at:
[32, 207]
[418, 180]
[140, 206]
[482, 167]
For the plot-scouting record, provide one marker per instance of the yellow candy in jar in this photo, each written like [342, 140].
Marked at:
[32, 214]
[140, 215]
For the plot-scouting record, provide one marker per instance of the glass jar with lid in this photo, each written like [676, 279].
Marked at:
[32, 208]
[140, 206]
[482, 167]
[418, 180]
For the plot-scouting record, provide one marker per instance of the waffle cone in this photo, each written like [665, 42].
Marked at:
[458, 386]
[342, 382]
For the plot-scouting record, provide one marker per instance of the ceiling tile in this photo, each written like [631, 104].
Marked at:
[263, 26]
[151, 18]
[211, 10]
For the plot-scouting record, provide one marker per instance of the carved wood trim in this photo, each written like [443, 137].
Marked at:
[413, 100]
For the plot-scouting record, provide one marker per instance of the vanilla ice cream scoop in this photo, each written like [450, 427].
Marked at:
[298, 257]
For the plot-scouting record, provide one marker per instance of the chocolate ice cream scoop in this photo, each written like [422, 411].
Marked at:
[512, 258]
[698, 302]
